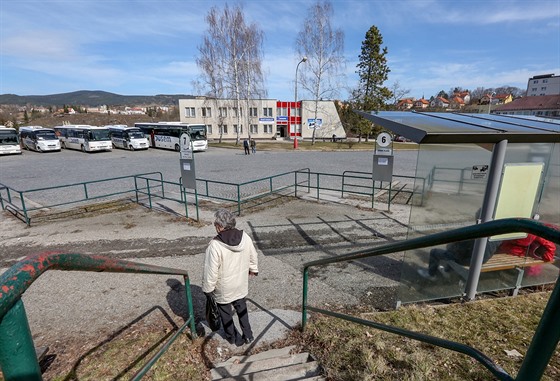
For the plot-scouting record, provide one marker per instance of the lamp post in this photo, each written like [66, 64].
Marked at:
[295, 98]
[490, 100]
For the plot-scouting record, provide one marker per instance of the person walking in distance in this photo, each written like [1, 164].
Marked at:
[230, 259]
[253, 146]
[246, 146]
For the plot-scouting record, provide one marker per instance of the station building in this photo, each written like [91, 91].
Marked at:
[264, 118]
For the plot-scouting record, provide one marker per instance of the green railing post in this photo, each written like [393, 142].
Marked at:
[149, 194]
[85, 190]
[238, 200]
[190, 304]
[389, 199]
[270, 183]
[318, 186]
[295, 183]
[18, 359]
[372, 193]
[544, 341]
[304, 300]
[196, 203]
[24, 209]
[184, 195]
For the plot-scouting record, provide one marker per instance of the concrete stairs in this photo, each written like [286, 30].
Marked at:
[272, 365]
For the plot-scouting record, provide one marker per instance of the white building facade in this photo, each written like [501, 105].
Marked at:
[546, 84]
[262, 118]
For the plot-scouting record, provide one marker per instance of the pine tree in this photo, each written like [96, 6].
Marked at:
[373, 72]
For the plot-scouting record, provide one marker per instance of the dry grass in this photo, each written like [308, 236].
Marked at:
[352, 352]
[347, 351]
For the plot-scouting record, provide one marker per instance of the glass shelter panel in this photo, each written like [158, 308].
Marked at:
[451, 198]
[455, 178]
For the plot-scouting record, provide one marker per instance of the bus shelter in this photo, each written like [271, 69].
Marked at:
[476, 168]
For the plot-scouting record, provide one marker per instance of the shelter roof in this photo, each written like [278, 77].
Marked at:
[444, 128]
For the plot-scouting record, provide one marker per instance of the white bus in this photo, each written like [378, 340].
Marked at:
[131, 138]
[9, 141]
[167, 134]
[38, 139]
[84, 137]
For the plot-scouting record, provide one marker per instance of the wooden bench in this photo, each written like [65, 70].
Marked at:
[498, 262]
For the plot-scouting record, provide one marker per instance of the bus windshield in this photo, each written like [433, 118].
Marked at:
[98, 135]
[46, 135]
[135, 134]
[8, 137]
[198, 132]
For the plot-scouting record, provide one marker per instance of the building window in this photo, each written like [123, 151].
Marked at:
[223, 112]
[533, 89]
[253, 111]
[254, 128]
[536, 81]
[189, 112]
[545, 80]
[267, 128]
[543, 88]
[223, 129]
[235, 112]
[209, 129]
[267, 111]
[235, 129]
[206, 112]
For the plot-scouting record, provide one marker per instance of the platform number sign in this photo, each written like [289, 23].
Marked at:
[383, 144]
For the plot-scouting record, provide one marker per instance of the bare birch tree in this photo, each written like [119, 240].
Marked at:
[231, 59]
[324, 47]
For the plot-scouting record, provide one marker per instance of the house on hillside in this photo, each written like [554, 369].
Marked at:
[464, 95]
[421, 103]
[405, 104]
[496, 99]
[543, 105]
[456, 103]
[439, 102]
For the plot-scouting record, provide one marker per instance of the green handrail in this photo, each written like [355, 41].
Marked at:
[547, 334]
[18, 360]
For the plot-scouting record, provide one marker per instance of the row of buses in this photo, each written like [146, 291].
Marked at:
[91, 138]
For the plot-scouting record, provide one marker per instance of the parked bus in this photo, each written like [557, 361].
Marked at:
[131, 138]
[38, 139]
[9, 141]
[167, 134]
[84, 137]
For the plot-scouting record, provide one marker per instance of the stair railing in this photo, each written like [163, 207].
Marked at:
[18, 359]
[547, 334]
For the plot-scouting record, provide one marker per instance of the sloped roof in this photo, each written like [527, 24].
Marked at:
[443, 128]
[541, 102]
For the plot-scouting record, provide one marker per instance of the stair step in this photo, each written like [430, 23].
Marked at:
[287, 373]
[259, 356]
[234, 370]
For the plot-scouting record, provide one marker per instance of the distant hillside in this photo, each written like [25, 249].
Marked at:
[92, 98]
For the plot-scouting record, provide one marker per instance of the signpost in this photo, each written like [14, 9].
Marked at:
[383, 163]
[188, 173]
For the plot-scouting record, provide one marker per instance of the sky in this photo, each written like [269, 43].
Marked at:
[149, 47]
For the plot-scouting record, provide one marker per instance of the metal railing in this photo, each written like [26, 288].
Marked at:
[151, 186]
[547, 334]
[82, 191]
[18, 359]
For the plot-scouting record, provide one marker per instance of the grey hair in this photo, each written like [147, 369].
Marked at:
[225, 219]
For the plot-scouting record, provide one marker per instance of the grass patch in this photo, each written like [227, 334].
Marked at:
[348, 351]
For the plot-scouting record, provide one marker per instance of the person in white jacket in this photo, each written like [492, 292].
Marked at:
[229, 261]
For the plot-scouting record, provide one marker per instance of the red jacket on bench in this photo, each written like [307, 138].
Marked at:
[532, 245]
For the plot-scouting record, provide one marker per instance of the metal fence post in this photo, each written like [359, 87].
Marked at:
[24, 209]
[238, 200]
[18, 359]
[190, 308]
